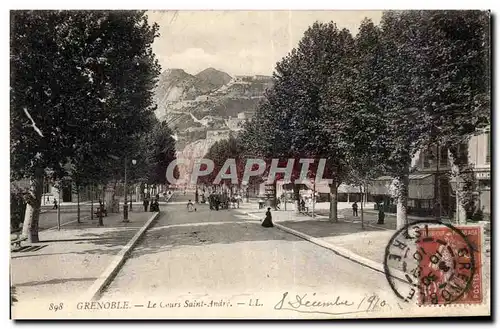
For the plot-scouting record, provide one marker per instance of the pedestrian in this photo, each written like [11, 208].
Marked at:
[156, 205]
[190, 206]
[261, 203]
[355, 209]
[381, 214]
[278, 204]
[55, 204]
[146, 203]
[268, 221]
[302, 205]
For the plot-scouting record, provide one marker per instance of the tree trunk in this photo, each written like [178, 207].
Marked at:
[78, 204]
[59, 191]
[33, 203]
[92, 202]
[460, 196]
[402, 183]
[460, 193]
[361, 204]
[101, 223]
[275, 195]
[296, 196]
[333, 202]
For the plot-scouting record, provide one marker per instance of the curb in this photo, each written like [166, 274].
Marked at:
[379, 267]
[94, 292]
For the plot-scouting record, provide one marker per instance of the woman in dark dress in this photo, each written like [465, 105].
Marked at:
[268, 221]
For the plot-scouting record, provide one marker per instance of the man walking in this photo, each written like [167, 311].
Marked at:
[355, 209]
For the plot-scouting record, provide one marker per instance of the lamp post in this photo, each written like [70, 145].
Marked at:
[125, 203]
[133, 163]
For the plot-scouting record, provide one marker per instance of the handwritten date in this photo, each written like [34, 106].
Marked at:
[371, 303]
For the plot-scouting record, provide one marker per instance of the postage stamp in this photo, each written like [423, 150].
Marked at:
[441, 263]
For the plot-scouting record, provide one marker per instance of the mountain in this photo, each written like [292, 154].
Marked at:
[177, 85]
[214, 77]
[206, 107]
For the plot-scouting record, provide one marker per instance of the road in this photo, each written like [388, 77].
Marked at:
[224, 253]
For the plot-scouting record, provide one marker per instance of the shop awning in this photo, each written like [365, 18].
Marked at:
[412, 177]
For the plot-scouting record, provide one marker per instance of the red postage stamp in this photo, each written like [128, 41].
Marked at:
[450, 265]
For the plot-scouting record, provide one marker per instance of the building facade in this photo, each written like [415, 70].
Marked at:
[51, 193]
[432, 187]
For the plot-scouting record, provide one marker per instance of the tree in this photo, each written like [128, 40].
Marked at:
[290, 117]
[353, 111]
[158, 151]
[75, 75]
[219, 153]
[455, 95]
[324, 53]
[432, 72]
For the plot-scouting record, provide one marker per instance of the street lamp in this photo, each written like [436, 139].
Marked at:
[125, 203]
[134, 162]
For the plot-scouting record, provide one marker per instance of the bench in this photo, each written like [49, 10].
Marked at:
[18, 240]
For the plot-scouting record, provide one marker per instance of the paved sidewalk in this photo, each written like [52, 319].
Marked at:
[369, 242]
[347, 235]
[65, 263]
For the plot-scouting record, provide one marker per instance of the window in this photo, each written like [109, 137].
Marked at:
[488, 145]
[463, 152]
[425, 204]
[484, 185]
[429, 157]
[443, 156]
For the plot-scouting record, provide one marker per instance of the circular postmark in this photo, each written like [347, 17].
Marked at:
[429, 262]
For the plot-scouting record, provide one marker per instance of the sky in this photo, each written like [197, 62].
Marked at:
[239, 42]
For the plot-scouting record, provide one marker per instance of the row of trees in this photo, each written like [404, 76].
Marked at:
[369, 103]
[81, 97]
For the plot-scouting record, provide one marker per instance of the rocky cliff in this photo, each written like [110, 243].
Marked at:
[205, 107]
[213, 77]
